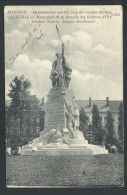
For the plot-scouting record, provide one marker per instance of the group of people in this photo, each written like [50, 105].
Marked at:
[11, 151]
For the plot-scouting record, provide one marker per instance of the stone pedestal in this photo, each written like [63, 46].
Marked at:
[55, 139]
[58, 100]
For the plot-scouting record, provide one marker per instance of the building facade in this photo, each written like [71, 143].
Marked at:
[103, 106]
[29, 122]
[32, 121]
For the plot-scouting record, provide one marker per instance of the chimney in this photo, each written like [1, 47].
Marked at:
[89, 101]
[42, 101]
[107, 101]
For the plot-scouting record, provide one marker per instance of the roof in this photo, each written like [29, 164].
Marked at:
[113, 105]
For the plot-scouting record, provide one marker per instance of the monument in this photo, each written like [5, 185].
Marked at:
[61, 135]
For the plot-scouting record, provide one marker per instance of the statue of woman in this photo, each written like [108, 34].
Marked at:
[60, 74]
[70, 122]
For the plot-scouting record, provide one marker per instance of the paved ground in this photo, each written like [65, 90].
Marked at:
[65, 171]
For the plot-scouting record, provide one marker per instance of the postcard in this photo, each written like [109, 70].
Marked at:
[64, 96]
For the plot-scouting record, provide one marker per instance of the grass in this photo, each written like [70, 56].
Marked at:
[65, 171]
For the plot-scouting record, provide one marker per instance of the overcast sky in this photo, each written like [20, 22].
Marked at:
[95, 54]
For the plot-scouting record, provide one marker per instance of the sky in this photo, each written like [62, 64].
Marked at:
[94, 49]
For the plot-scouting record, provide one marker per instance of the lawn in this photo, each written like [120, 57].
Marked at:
[65, 171]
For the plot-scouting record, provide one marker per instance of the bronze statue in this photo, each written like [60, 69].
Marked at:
[60, 74]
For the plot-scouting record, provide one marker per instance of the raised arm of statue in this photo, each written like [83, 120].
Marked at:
[62, 55]
[54, 65]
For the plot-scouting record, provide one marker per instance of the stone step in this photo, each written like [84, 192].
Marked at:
[59, 152]
[78, 141]
[78, 146]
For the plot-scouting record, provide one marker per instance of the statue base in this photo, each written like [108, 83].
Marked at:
[76, 147]
[66, 151]
[56, 139]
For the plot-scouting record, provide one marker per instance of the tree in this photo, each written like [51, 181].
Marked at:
[121, 124]
[109, 126]
[19, 94]
[83, 121]
[97, 127]
[89, 134]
